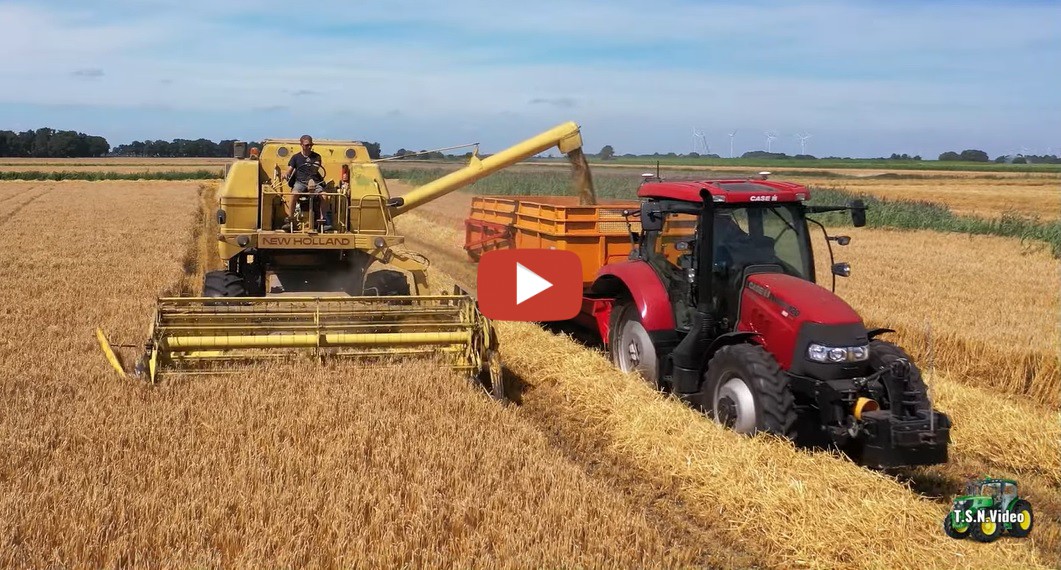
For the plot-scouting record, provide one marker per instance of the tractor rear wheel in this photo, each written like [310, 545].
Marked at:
[386, 283]
[1021, 528]
[745, 389]
[882, 353]
[631, 348]
[224, 284]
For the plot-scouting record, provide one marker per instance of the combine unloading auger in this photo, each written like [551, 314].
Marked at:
[332, 305]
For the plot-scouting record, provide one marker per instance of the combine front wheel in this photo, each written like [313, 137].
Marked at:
[223, 284]
[744, 389]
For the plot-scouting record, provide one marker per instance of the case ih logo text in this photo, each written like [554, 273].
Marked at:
[770, 198]
[305, 241]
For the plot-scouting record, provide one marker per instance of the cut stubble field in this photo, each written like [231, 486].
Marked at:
[302, 465]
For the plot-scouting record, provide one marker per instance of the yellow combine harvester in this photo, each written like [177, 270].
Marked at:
[338, 287]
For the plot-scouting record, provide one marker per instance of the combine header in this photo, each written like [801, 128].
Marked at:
[336, 286]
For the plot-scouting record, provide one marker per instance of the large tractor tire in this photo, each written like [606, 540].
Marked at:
[387, 283]
[882, 353]
[223, 284]
[958, 533]
[631, 348]
[1021, 529]
[744, 389]
[986, 531]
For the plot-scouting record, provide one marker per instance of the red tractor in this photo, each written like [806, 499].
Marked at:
[712, 296]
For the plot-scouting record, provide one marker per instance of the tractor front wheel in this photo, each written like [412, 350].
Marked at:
[745, 389]
[1024, 526]
[952, 530]
[631, 348]
[882, 353]
[987, 531]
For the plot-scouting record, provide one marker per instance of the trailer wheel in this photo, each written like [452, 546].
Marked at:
[386, 283]
[631, 348]
[224, 284]
[882, 353]
[745, 389]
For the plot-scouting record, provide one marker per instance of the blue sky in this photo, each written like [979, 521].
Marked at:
[862, 78]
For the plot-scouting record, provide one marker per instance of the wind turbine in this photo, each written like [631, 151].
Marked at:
[699, 140]
[769, 139]
[803, 143]
[731, 143]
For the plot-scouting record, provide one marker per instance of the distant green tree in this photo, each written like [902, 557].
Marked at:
[606, 153]
[373, 150]
[950, 155]
[974, 156]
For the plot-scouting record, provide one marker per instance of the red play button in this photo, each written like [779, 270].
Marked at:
[529, 284]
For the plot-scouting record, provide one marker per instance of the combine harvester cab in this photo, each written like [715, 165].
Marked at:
[338, 286]
[707, 289]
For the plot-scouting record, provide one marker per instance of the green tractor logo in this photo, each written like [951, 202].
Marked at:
[988, 508]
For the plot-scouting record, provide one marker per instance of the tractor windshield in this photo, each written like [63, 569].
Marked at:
[762, 235]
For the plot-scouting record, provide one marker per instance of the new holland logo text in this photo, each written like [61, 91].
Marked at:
[305, 241]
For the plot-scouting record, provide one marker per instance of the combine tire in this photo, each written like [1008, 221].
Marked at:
[744, 389]
[1021, 529]
[631, 347]
[223, 284]
[883, 353]
[386, 283]
[986, 531]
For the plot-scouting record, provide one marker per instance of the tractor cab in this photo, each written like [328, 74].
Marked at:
[714, 234]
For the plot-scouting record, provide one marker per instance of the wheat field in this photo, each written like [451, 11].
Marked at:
[301, 465]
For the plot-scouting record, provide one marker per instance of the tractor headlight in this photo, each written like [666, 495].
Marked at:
[821, 353]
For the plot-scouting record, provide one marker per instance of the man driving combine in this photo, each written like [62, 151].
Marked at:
[304, 176]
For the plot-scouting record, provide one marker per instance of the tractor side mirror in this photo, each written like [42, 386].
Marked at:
[858, 213]
[842, 269]
[841, 240]
[651, 217]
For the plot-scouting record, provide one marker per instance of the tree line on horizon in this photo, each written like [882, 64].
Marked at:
[968, 155]
[51, 143]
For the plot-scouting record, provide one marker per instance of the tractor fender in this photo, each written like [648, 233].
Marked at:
[637, 279]
[873, 333]
[727, 339]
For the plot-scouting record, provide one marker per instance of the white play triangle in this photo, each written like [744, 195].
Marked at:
[528, 283]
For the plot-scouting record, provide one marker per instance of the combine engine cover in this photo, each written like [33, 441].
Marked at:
[859, 394]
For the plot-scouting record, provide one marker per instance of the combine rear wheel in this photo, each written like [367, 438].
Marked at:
[223, 284]
[744, 389]
[631, 347]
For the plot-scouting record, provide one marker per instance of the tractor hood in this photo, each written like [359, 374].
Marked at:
[802, 300]
[790, 313]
